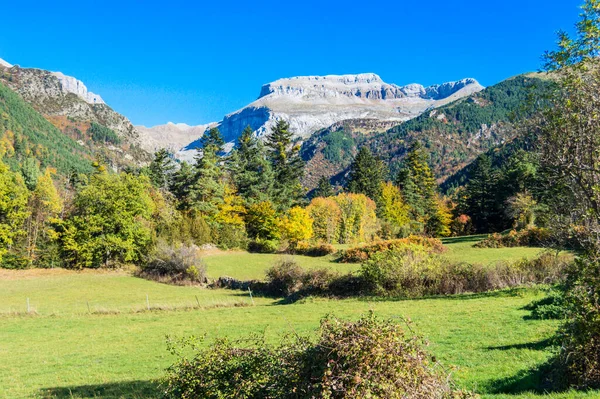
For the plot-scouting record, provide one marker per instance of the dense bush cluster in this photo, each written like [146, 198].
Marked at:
[364, 252]
[179, 265]
[368, 358]
[529, 237]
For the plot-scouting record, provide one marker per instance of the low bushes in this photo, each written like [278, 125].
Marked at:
[174, 264]
[529, 237]
[410, 273]
[369, 358]
[552, 306]
[363, 253]
[318, 250]
[263, 246]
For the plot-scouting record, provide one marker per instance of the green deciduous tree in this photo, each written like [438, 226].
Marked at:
[111, 222]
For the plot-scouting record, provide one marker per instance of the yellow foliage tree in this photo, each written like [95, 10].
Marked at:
[231, 211]
[13, 207]
[326, 215]
[392, 207]
[296, 225]
[358, 222]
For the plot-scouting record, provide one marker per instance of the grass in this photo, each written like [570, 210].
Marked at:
[116, 348]
[247, 266]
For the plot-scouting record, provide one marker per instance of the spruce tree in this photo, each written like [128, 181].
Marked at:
[367, 173]
[250, 170]
[181, 186]
[481, 195]
[288, 167]
[161, 169]
[208, 189]
[418, 186]
[324, 188]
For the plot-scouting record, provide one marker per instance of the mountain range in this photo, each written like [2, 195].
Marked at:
[331, 116]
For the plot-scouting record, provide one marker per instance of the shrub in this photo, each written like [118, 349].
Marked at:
[529, 237]
[369, 358]
[362, 253]
[316, 250]
[228, 236]
[552, 306]
[412, 271]
[285, 277]
[263, 246]
[175, 264]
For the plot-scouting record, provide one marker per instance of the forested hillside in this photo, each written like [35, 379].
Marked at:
[453, 134]
[27, 138]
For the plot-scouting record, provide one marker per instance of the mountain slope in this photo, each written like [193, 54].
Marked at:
[24, 133]
[454, 133]
[67, 104]
[311, 103]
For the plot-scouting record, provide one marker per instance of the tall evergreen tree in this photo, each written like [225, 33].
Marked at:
[324, 188]
[481, 195]
[181, 186]
[367, 173]
[418, 185]
[287, 165]
[161, 169]
[208, 189]
[250, 170]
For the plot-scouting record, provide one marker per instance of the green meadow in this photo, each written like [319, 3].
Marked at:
[90, 334]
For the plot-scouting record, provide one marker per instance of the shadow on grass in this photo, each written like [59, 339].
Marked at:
[463, 239]
[537, 346]
[543, 379]
[113, 390]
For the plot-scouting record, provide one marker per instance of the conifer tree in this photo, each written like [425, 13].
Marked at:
[161, 169]
[208, 189]
[324, 188]
[287, 165]
[367, 173]
[480, 195]
[418, 185]
[250, 170]
[181, 186]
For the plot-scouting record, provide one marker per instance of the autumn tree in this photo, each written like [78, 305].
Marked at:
[296, 225]
[392, 209]
[13, 208]
[326, 215]
[358, 221]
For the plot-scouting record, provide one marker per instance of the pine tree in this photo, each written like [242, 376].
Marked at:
[418, 185]
[250, 170]
[161, 169]
[287, 165]
[367, 173]
[324, 188]
[181, 186]
[208, 189]
[481, 195]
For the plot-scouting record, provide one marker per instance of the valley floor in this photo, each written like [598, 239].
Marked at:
[89, 334]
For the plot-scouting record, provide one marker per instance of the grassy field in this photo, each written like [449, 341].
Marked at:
[246, 266]
[116, 348]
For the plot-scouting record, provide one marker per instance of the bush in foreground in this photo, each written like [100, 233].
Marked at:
[369, 358]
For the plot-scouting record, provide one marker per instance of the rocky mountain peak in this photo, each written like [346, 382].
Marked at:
[5, 64]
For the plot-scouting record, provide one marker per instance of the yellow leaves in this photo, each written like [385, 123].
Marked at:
[296, 225]
[232, 210]
[392, 206]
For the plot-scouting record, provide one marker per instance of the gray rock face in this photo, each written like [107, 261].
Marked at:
[172, 136]
[311, 103]
[55, 94]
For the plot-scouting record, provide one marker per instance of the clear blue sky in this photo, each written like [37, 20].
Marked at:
[187, 61]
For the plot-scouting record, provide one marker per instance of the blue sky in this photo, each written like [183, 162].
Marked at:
[193, 62]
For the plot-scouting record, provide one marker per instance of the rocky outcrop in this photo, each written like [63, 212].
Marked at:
[55, 94]
[172, 136]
